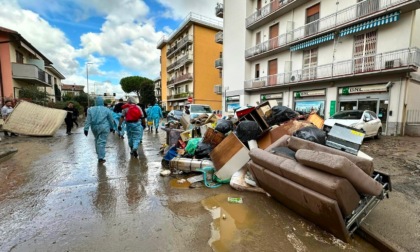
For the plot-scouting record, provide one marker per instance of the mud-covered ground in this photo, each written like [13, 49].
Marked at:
[55, 197]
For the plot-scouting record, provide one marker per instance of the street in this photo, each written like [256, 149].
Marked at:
[55, 197]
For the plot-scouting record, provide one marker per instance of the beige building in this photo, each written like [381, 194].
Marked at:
[325, 55]
[188, 58]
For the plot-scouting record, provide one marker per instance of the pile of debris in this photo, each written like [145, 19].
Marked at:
[275, 150]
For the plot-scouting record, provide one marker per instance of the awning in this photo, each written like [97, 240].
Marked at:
[382, 20]
[312, 42]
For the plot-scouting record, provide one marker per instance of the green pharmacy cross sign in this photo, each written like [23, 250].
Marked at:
[345, 91]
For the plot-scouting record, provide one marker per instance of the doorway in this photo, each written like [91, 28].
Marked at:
[273, 34]
[371, 105]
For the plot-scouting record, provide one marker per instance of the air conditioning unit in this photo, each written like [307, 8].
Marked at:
[293, 78]
[218, 89]
[392, 63]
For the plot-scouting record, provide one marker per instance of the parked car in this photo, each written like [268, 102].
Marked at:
[174, 115]
[365, 120]
[198, 109]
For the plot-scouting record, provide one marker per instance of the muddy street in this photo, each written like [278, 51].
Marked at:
[55, 197]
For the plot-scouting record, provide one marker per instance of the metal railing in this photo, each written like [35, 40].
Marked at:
[219, 10]
[179, 45]
[369, 64]
[219, 37]
[341, 17]
[181, 61]
[179, 79]
[218, 63]
[413, 117]
[266, 10]
[179, 95]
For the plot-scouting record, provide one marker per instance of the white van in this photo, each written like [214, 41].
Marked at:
[198, 109]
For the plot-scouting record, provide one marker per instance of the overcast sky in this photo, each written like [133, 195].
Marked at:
[118, 36]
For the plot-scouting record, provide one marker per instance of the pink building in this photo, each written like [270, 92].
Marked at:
[22, 65]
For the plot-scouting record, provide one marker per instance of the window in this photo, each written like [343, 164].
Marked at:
[258, 38]
[19, 57]
[257, 71]
[272, 72]
[310, 61]
[312, 15]
[273, 36]
[364, 51]
[55, 80]
[186, 88]
[49, 79]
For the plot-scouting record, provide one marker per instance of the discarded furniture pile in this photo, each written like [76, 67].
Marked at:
[275, 150]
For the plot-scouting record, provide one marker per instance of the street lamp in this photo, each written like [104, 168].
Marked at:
[87, 81]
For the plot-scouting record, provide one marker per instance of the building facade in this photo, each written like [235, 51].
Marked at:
[71, 89]
[325, 55]
[158, 90]
[188, 73]
[22, 65]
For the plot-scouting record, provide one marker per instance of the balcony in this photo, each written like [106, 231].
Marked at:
[219, 10]
[29, 73]
[404, 60]
[180, 62]
[218, 89]
[179, 96]
[180, 79]
[271, 11]
[219, 63]
[158, 85]
[187, 40]
[354, 14]
[219, 37]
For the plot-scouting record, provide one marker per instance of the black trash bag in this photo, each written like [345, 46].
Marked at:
[312, 134]
[202, 151]
[248, 130]
[281, 114]
[224, 126]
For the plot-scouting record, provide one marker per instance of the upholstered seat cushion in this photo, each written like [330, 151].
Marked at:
[340, 166]
[331, 186]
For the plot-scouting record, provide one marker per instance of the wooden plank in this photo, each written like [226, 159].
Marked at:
[234, 164]
[225, 151]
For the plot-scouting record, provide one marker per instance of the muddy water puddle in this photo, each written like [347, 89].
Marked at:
[179, 184]
[228, 221]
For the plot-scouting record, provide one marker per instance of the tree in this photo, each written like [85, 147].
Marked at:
[142, 86]
[33, 94]
[57, 93]
[82, 98]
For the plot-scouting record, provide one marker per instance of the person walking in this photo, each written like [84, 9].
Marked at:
[134, 119]
[117, 115]
[99, 120]
[143, 119]
[187, 110]
[149, 118]
[75, 117]
[156, 115]
[69, 118]
[6, 110]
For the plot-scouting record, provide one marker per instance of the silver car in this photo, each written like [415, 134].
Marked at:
[365, 120]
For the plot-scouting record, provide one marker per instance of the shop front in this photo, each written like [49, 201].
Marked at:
[310, 101]
[370, 97]
[275, 99]
[232, 103]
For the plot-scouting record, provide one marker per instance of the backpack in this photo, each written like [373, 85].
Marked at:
[133, 113]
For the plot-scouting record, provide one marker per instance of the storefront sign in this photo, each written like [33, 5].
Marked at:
[265, 97]
[301, 94]
[332, 107]
[232, 98]
[362, 89]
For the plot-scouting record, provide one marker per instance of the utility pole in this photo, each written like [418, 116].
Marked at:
[87, 82]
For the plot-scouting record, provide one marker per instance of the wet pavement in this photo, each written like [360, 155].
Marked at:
[55, 197]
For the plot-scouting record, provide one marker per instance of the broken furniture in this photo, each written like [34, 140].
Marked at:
[325, 194]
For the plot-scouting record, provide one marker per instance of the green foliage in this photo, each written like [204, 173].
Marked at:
[63, 104]
[142, 86]
[57, 93]
[148, 94]
[107, 101]
[33, 94]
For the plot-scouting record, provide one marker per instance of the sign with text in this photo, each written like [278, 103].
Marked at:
[265, 97]
[301, 94]
[362, 89]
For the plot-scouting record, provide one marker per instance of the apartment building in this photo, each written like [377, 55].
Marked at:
[22, 65]
[158, 89]
[72, 89]
[188, 59]
[325, 55]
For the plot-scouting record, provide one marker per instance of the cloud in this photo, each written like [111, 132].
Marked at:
[177, 9]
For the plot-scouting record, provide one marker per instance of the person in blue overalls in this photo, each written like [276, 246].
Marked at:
[156, 115]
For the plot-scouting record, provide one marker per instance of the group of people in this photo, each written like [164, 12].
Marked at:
[123, 117]
[6, 110]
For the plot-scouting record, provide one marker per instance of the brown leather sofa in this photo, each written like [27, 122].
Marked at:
[319, 183]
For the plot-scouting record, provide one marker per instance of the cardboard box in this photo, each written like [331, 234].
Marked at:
[185, 121]
[186, 135]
